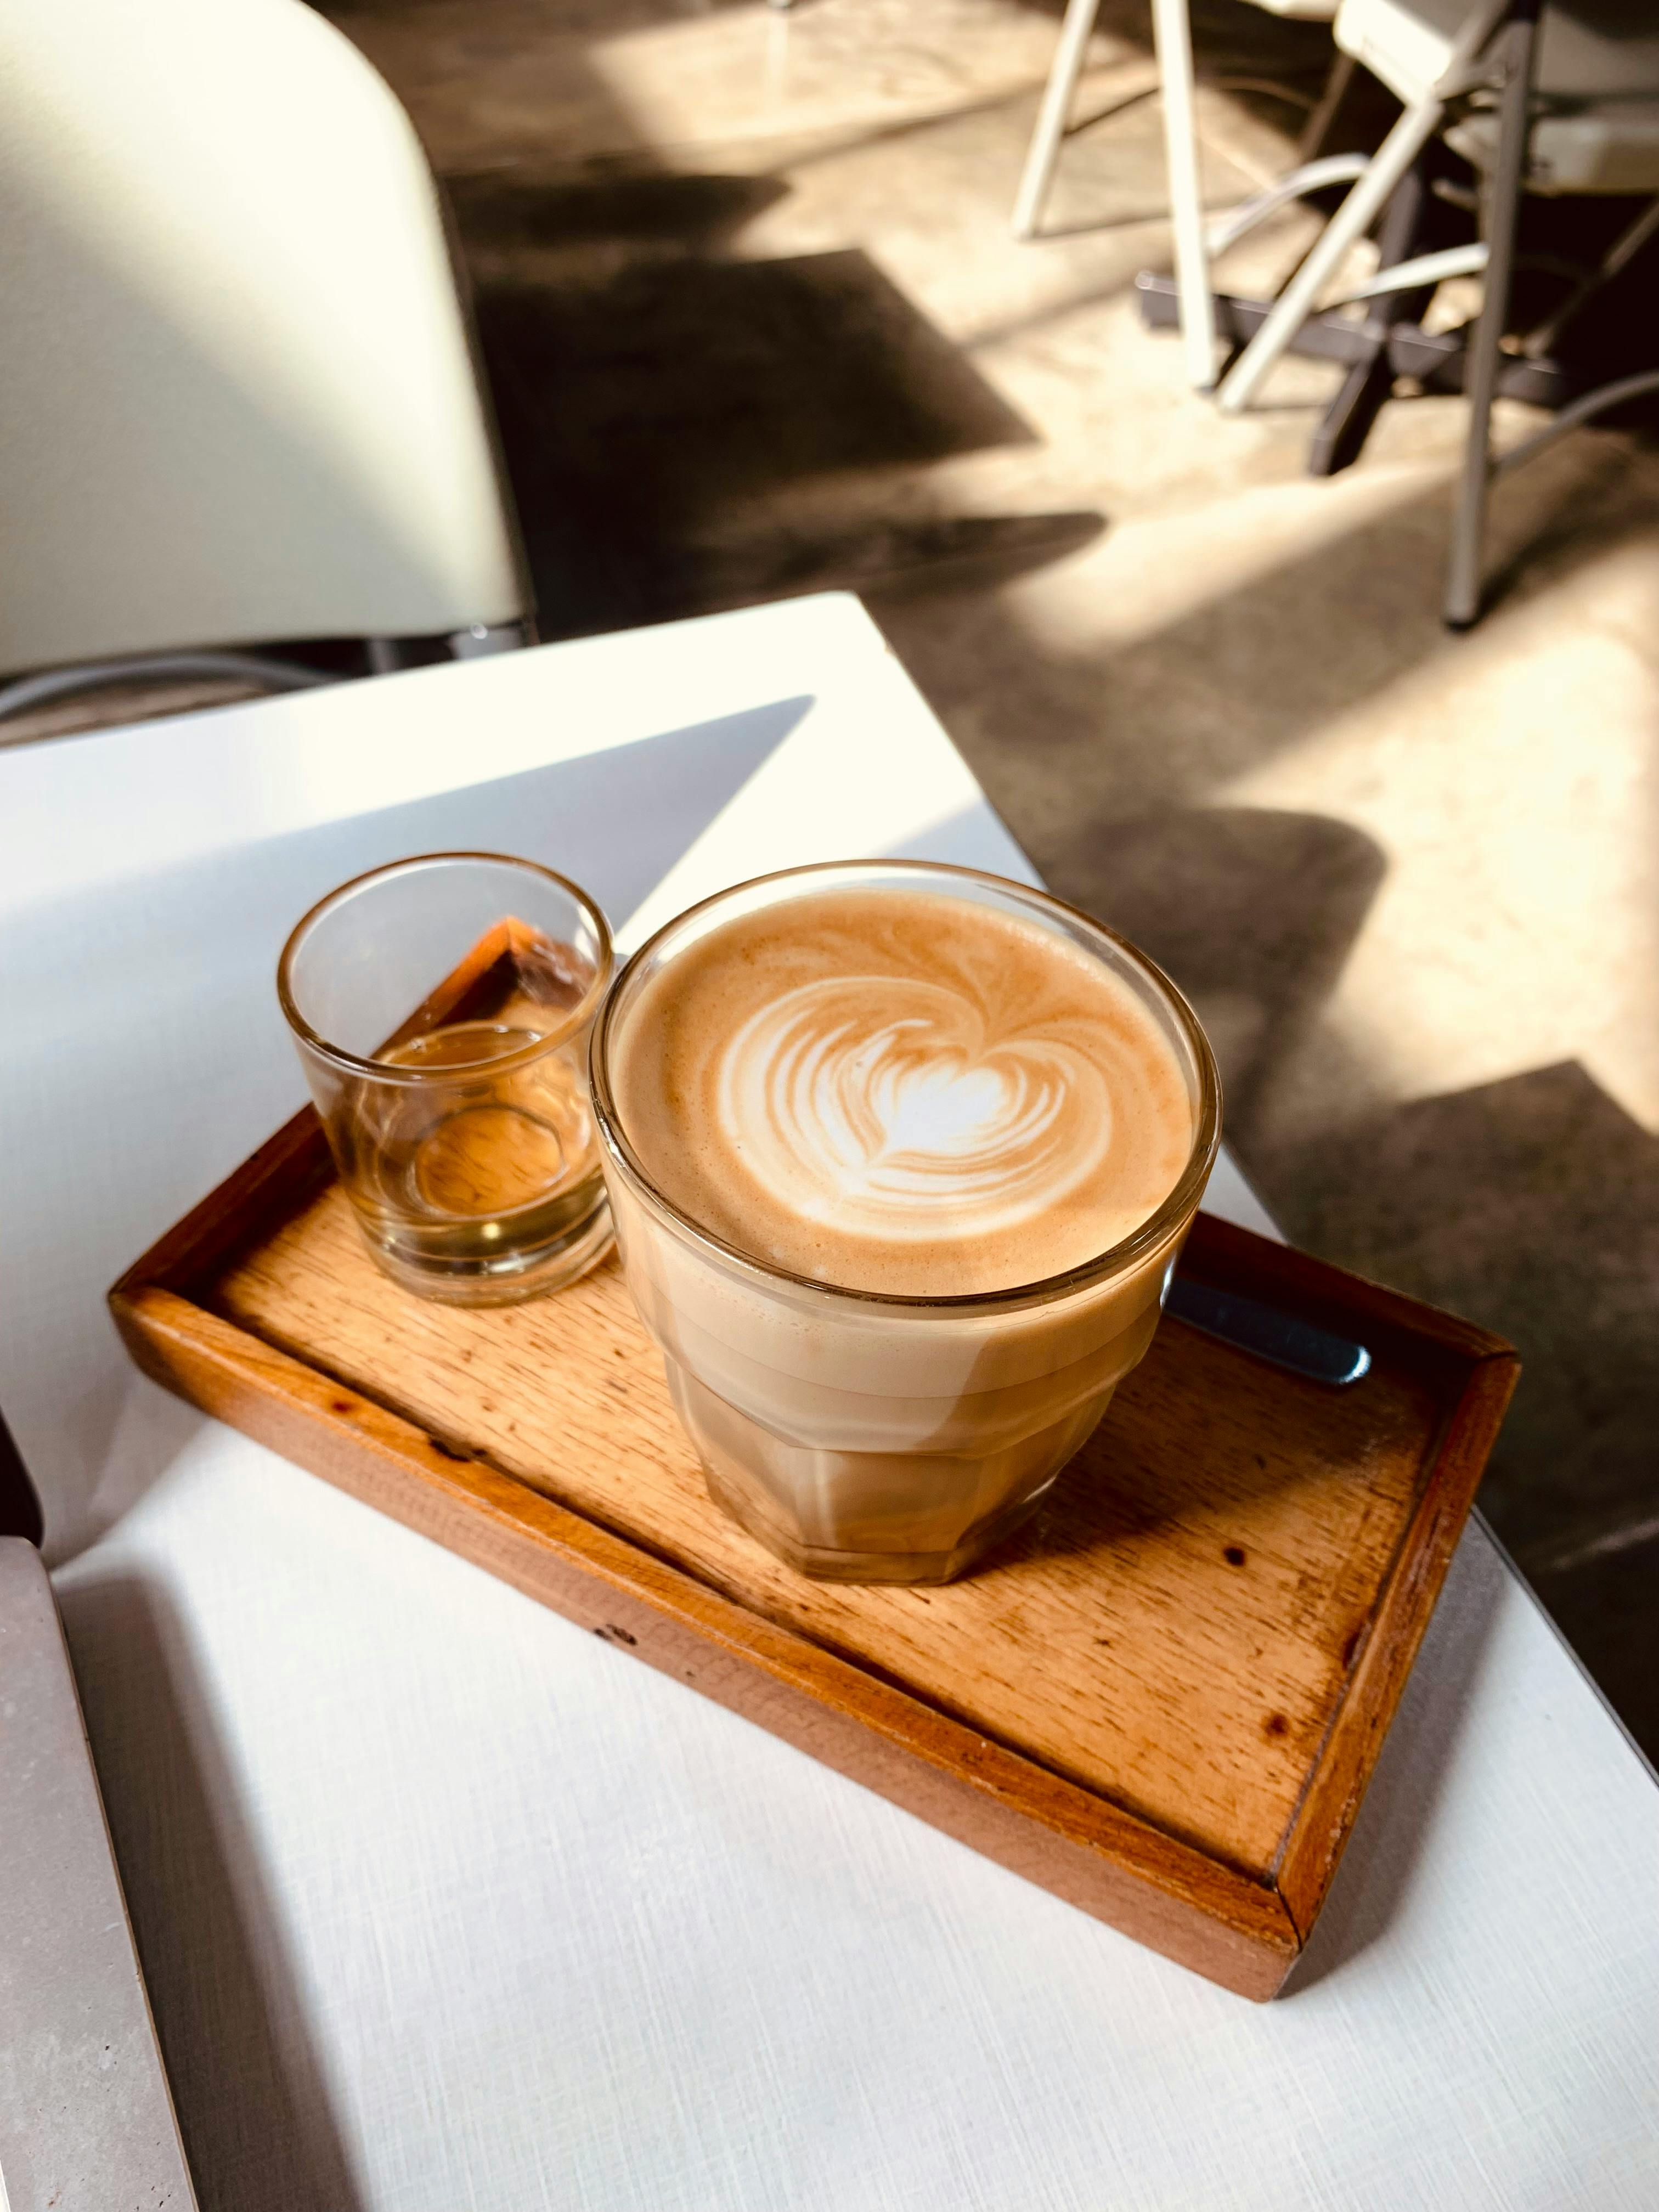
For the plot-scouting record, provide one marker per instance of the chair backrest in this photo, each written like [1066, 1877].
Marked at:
[237, 394]
[1595, 77]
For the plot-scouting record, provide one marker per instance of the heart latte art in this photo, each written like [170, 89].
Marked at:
[902, 1091]
[880, 1104]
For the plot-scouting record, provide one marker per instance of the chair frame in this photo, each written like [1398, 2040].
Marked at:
[1495, 52]
[1172, 44]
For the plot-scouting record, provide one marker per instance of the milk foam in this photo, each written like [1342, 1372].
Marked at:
[901, 1091]
[878, 1104]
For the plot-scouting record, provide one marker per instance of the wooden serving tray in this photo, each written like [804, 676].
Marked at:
[1162, 1700]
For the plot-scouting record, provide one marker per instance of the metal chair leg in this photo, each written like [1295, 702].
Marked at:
[1050, 131]
[1346, 422]
[1172, 35]
[1461, 605]
[1390, 166]
[1316, 131]
[1396, 154]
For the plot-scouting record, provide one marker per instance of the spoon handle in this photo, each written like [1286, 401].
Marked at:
[1270, 1335]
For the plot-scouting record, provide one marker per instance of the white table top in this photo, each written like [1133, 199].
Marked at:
[444, 1904]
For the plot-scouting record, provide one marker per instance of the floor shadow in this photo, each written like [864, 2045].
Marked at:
[1602, 1600]
[501, 213]
[1061, 733]
[1531, 1204]
[1391, 1832]
[1252, 912]
[888, 554]
[253, 2107]
[637, 409]
[652, 388]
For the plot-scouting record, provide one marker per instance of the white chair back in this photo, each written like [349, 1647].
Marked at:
[237, 394]
[1597, 79]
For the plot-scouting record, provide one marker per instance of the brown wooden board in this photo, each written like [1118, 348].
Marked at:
[1162, 1700]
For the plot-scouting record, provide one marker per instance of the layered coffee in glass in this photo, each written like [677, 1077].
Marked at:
[899, 1159]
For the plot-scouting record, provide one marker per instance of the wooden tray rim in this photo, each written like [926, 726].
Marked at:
[337, 1431]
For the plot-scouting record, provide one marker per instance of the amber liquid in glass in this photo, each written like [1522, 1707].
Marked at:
[491, 1162]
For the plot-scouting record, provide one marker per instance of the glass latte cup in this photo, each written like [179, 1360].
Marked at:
[865, 1435]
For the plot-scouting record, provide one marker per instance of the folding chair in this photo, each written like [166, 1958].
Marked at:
[1564, 100]
[1173, 44]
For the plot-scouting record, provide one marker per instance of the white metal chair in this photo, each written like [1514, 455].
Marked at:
[237, 402]
[1173, 45]
[1564, 103]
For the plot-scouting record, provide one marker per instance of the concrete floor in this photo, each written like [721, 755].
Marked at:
[755, 324]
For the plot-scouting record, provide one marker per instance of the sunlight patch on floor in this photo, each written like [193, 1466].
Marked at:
[1511, 781]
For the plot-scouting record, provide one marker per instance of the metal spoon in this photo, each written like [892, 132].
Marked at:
[1268, 1333]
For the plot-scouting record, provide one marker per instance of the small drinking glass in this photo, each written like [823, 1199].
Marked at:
[440, 1007]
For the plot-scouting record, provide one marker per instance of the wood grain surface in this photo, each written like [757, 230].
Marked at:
[1162, 1700]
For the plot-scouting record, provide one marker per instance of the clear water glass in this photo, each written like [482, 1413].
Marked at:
[441, 1008]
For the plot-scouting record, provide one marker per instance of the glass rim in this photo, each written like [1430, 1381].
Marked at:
[383, 1070]
[1117, 1259]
